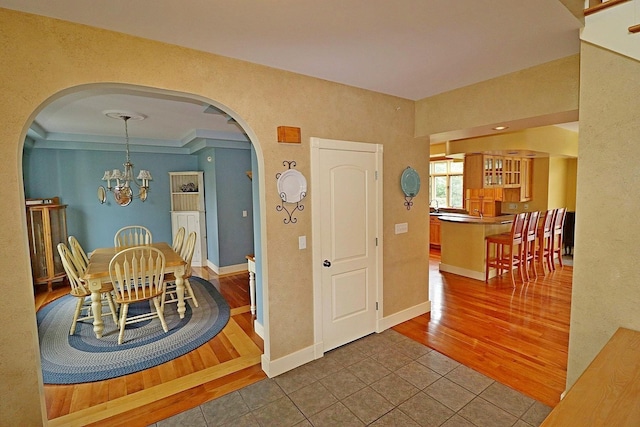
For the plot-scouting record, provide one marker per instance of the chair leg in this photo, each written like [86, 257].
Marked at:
[112, 306]
[190, 291]
[76, 314]
[123, 320]
[156, 302]
[560, 250]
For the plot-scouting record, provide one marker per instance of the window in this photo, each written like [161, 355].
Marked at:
[445, 183]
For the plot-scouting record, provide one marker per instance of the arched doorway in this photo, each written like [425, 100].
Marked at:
[161, 96]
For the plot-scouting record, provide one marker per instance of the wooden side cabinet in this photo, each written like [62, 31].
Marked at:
[434, 231]
[188, 210]
[47, 226]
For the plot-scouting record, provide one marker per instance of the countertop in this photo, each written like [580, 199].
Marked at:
[470, 219]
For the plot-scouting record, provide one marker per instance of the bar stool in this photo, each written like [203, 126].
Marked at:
[545, 241]
[528, 253]
[556, 244]
[508, 247]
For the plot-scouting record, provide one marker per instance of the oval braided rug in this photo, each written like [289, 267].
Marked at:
[79, 358]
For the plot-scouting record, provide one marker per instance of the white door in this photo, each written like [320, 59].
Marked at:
[348, 205]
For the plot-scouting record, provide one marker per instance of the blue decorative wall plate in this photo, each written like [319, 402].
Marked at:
[410, 182]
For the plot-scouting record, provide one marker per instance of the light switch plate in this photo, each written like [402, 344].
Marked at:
[302, 242]
[402, 228]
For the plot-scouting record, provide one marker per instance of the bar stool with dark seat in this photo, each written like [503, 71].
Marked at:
[508, 247]
[545, 241]
[556, 244]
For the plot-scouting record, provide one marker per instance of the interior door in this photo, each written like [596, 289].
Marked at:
[349, 213]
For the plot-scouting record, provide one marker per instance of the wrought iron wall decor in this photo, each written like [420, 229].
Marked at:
[410, 184]
[292, 187]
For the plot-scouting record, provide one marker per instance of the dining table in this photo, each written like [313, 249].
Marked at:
[97, 273]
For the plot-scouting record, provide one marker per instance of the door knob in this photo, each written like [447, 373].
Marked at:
[326, 263]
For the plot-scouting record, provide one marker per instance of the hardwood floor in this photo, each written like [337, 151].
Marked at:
[517, 336]
[228, 362]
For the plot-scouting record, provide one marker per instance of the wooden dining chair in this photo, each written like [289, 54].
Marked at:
[137, 275]
[132, 235]
[556, 244]
[80, 290]
[78, 253]
[178, 240]
[528, 254]
[171, 294]
[545, 241]
[503, 250]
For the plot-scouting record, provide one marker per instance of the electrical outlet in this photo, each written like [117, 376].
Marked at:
[526, 206]
[513, 206]
[244, 214]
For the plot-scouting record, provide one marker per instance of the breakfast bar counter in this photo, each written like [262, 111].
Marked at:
[462, 242]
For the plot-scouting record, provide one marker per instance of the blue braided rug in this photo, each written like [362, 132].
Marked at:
[80, 358]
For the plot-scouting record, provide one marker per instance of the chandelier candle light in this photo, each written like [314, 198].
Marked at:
[122, 191]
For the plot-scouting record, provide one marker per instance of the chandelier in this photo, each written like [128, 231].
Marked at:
[123, 190]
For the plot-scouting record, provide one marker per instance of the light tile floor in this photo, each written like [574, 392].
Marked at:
[383, 379]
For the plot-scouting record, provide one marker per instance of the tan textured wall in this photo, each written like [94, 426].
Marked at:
[42, 57]
[606, 294]
[557, 183]
[541, 91]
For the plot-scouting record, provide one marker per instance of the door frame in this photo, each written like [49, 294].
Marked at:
[318, 144]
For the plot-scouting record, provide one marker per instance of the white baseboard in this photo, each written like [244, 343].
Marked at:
[404, 315]
[274, 368]
[229, 269]
[258, 329]
[478, 275]
[214, 267]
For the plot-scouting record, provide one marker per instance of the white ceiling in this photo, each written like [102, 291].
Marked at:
[408, 48]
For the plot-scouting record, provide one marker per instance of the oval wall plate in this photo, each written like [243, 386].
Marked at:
[410, 182]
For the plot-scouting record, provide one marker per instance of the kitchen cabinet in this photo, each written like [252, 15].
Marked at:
[188, 210]
[483, 171]
[512, 172]
[484, 200]
[524, 191]
[511, 179]
[434, 231]
[47, 226]
[527, 180]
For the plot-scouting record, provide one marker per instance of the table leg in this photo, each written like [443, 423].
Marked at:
[252, 291]
[180, 290]
[96, 306]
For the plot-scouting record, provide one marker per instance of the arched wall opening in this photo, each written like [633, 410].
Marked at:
[257, 163]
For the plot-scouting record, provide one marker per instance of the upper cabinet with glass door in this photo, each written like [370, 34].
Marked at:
[483, 171]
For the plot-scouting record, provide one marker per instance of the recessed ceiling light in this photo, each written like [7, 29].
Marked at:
[501, 127]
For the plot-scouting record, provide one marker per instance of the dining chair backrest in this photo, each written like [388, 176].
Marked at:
[137, 273]
[187, 251]
[178, 240]
[132, 235]
[79, 253]
[71, 267]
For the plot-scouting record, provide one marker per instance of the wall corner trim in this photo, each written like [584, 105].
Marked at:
[279, 366]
